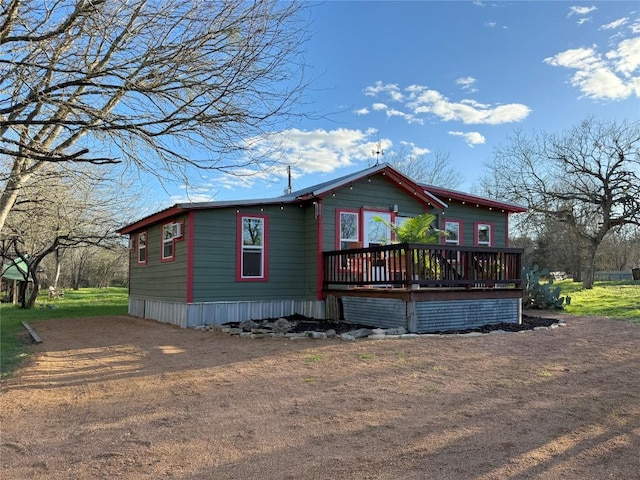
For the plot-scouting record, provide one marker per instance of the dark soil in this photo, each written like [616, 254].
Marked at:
[301, 323]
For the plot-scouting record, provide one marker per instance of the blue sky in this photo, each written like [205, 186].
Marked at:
[456, 77]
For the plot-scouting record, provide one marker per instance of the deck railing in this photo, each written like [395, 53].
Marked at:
[406, 265]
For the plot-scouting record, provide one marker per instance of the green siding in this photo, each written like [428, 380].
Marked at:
[311, 252]
[292, 236]
[470, 214]
[374, 193]
[160, 280]
[215, 255]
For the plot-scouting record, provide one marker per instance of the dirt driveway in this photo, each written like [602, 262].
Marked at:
[118, 397]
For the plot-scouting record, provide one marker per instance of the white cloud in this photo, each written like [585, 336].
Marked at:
[362, 111]
[576, 10]
[390, 89]
[392, 112]
[414, 150]
[581, 21]
[615, 24]
[612, 76]
[627, 56]
[421, 100]
[472, 138]
[635, 27]
[467, 84]
[319, 151]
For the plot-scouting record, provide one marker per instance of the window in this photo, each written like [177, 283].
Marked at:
[167, 241]
[142, 248]
[252, 255]
[484, 234]
[453, 232]
[348, 230]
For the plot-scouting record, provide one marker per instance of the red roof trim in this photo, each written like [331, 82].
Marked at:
[391, 175]
[413, 188]
[465, 197]
[157, 217]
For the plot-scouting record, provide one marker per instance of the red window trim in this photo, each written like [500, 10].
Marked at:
[146, 248]
[265, 248]
[476, 234]
[347, 210]
[173, 241]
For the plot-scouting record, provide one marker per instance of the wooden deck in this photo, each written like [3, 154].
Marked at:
[416, 266]
[424, 288]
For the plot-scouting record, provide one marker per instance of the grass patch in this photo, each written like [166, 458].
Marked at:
[86, 302]
[315, 358]
[366, 356]
[619, 299]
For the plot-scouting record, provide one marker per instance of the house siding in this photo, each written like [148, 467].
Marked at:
[157, 279]
[215, 244]
[374, 193]
[470, 215]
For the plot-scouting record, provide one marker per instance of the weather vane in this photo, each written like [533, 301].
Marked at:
[378, 151]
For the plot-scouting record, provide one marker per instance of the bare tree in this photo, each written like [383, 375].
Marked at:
[59, 211]
[619, 249]
[146, 83]
[587, 178]
[436, 170]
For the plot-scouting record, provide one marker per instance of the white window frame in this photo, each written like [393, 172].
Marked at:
[167, 240]
[142, 247]
[446, 229]
[252, 248]
[347, 240]
[482, 226]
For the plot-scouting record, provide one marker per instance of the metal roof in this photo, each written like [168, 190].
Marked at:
[429, 194]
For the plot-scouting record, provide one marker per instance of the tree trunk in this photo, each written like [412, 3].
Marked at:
[590, 267]
[58, 268]
[31, 301]
[8, 198]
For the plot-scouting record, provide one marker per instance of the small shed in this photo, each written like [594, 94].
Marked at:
[13, 274]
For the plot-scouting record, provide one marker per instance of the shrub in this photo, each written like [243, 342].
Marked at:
[543, 296]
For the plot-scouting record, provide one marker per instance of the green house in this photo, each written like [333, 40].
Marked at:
[214, 262]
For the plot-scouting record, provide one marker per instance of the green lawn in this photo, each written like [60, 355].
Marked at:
[86, 302]
[609, 299]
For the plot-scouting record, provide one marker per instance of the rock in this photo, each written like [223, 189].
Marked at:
[317, 334]
[261, 335]
[248, 325]
[409, 335]
[346, 336]
[360, 333]
[379, 331]
[541, 328]
[260, 330]
[235, 331]
[282, 325]
[497, 332]
[331, 333]
[396, 331]
[295, 335]
[471, 334]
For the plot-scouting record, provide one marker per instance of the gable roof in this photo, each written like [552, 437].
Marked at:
[428, 194]
[15, 270]
[451, 195]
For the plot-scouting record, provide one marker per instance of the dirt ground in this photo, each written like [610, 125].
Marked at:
[119, 397]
